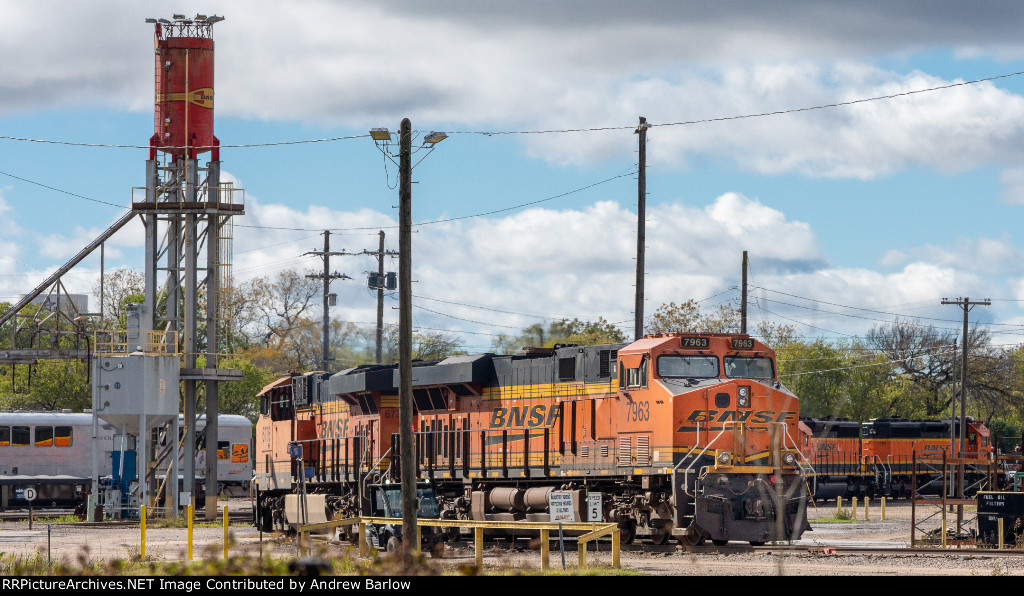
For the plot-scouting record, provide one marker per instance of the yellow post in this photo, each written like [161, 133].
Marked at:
[419, 539]
[839, 505]
[582, 547]
[883, 508]
[364, 547]
[545, 549]
[478, 544]
[190, 515]
[999, 524]
[943, 533]
[866, 501]
[142, 521]
[225, 531]
[615, 547]
[855, 508]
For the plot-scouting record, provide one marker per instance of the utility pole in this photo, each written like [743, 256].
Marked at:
[380, 254]
[406, 452]
[327, 276]
[641, 215]
[743, 297]
[966, 304]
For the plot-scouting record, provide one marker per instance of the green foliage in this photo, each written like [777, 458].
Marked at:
[562, 331]
[688, 318]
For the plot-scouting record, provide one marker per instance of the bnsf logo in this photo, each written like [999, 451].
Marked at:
[333, 428]
[760, 416]
[826, 447]
[538, 415]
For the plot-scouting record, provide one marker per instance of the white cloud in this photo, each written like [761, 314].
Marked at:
[537, 67]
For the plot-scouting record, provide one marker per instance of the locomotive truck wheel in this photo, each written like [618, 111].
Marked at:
[627, 532]
[695, 536]
[661, 533]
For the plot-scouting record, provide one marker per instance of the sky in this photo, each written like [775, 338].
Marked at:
[869, 156]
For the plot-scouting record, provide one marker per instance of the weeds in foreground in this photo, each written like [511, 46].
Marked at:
[325, 560]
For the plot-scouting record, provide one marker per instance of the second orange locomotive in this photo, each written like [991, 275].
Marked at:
[685, 436]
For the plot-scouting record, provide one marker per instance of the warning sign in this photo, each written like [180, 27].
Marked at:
[560, 506]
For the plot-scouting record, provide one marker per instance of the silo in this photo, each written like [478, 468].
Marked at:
[183, 121]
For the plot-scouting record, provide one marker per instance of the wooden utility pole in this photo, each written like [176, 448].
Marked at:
[380, 254]
[743, 297]
[966, 304]
[641, 215]
[406, 452]
[327, 276]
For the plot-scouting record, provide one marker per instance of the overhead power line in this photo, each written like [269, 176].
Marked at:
[629, 127]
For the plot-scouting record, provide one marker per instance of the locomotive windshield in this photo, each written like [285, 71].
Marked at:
[749, 367]
[690, 367]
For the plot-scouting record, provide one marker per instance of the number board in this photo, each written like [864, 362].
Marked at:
[695, 342]
[560, 505]
[740, 343]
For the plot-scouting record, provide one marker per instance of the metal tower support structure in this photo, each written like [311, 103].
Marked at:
[192, 206]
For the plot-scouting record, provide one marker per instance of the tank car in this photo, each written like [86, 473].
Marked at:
[685, 436]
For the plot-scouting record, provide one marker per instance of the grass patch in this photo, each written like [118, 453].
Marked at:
[839, 516]
[333, 561]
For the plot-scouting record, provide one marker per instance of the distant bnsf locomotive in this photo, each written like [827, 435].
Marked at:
[876, 458]
[686, 436]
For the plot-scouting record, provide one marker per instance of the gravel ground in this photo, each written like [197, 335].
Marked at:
[73, 542]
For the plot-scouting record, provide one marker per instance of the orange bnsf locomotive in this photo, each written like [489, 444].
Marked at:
[876, 458]
[685, 436]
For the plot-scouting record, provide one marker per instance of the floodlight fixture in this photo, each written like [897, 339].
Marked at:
[434, 138]
[151, 20]
[380, 134]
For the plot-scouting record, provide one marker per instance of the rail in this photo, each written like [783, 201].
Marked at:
[597, 530]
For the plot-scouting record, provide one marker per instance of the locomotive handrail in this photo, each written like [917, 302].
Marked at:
[686, 472]
[800, 455]
[387, 474]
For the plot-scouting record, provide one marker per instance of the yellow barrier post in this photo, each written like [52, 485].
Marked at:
[545, 549]
[582, 548]
[142, 522]
[854, 508]
[419, 538]
[883, 508]
[616, 538]
[478, 543]
[190, 506]
[866, 505]
[364, 547]
[225, 532]
[839, 505]
[999, 524]
[943, 533]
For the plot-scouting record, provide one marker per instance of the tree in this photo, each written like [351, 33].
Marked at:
[120, 287]
[688, 318]
[562, 331]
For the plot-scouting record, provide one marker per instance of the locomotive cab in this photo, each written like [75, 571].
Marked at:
[727, 430]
